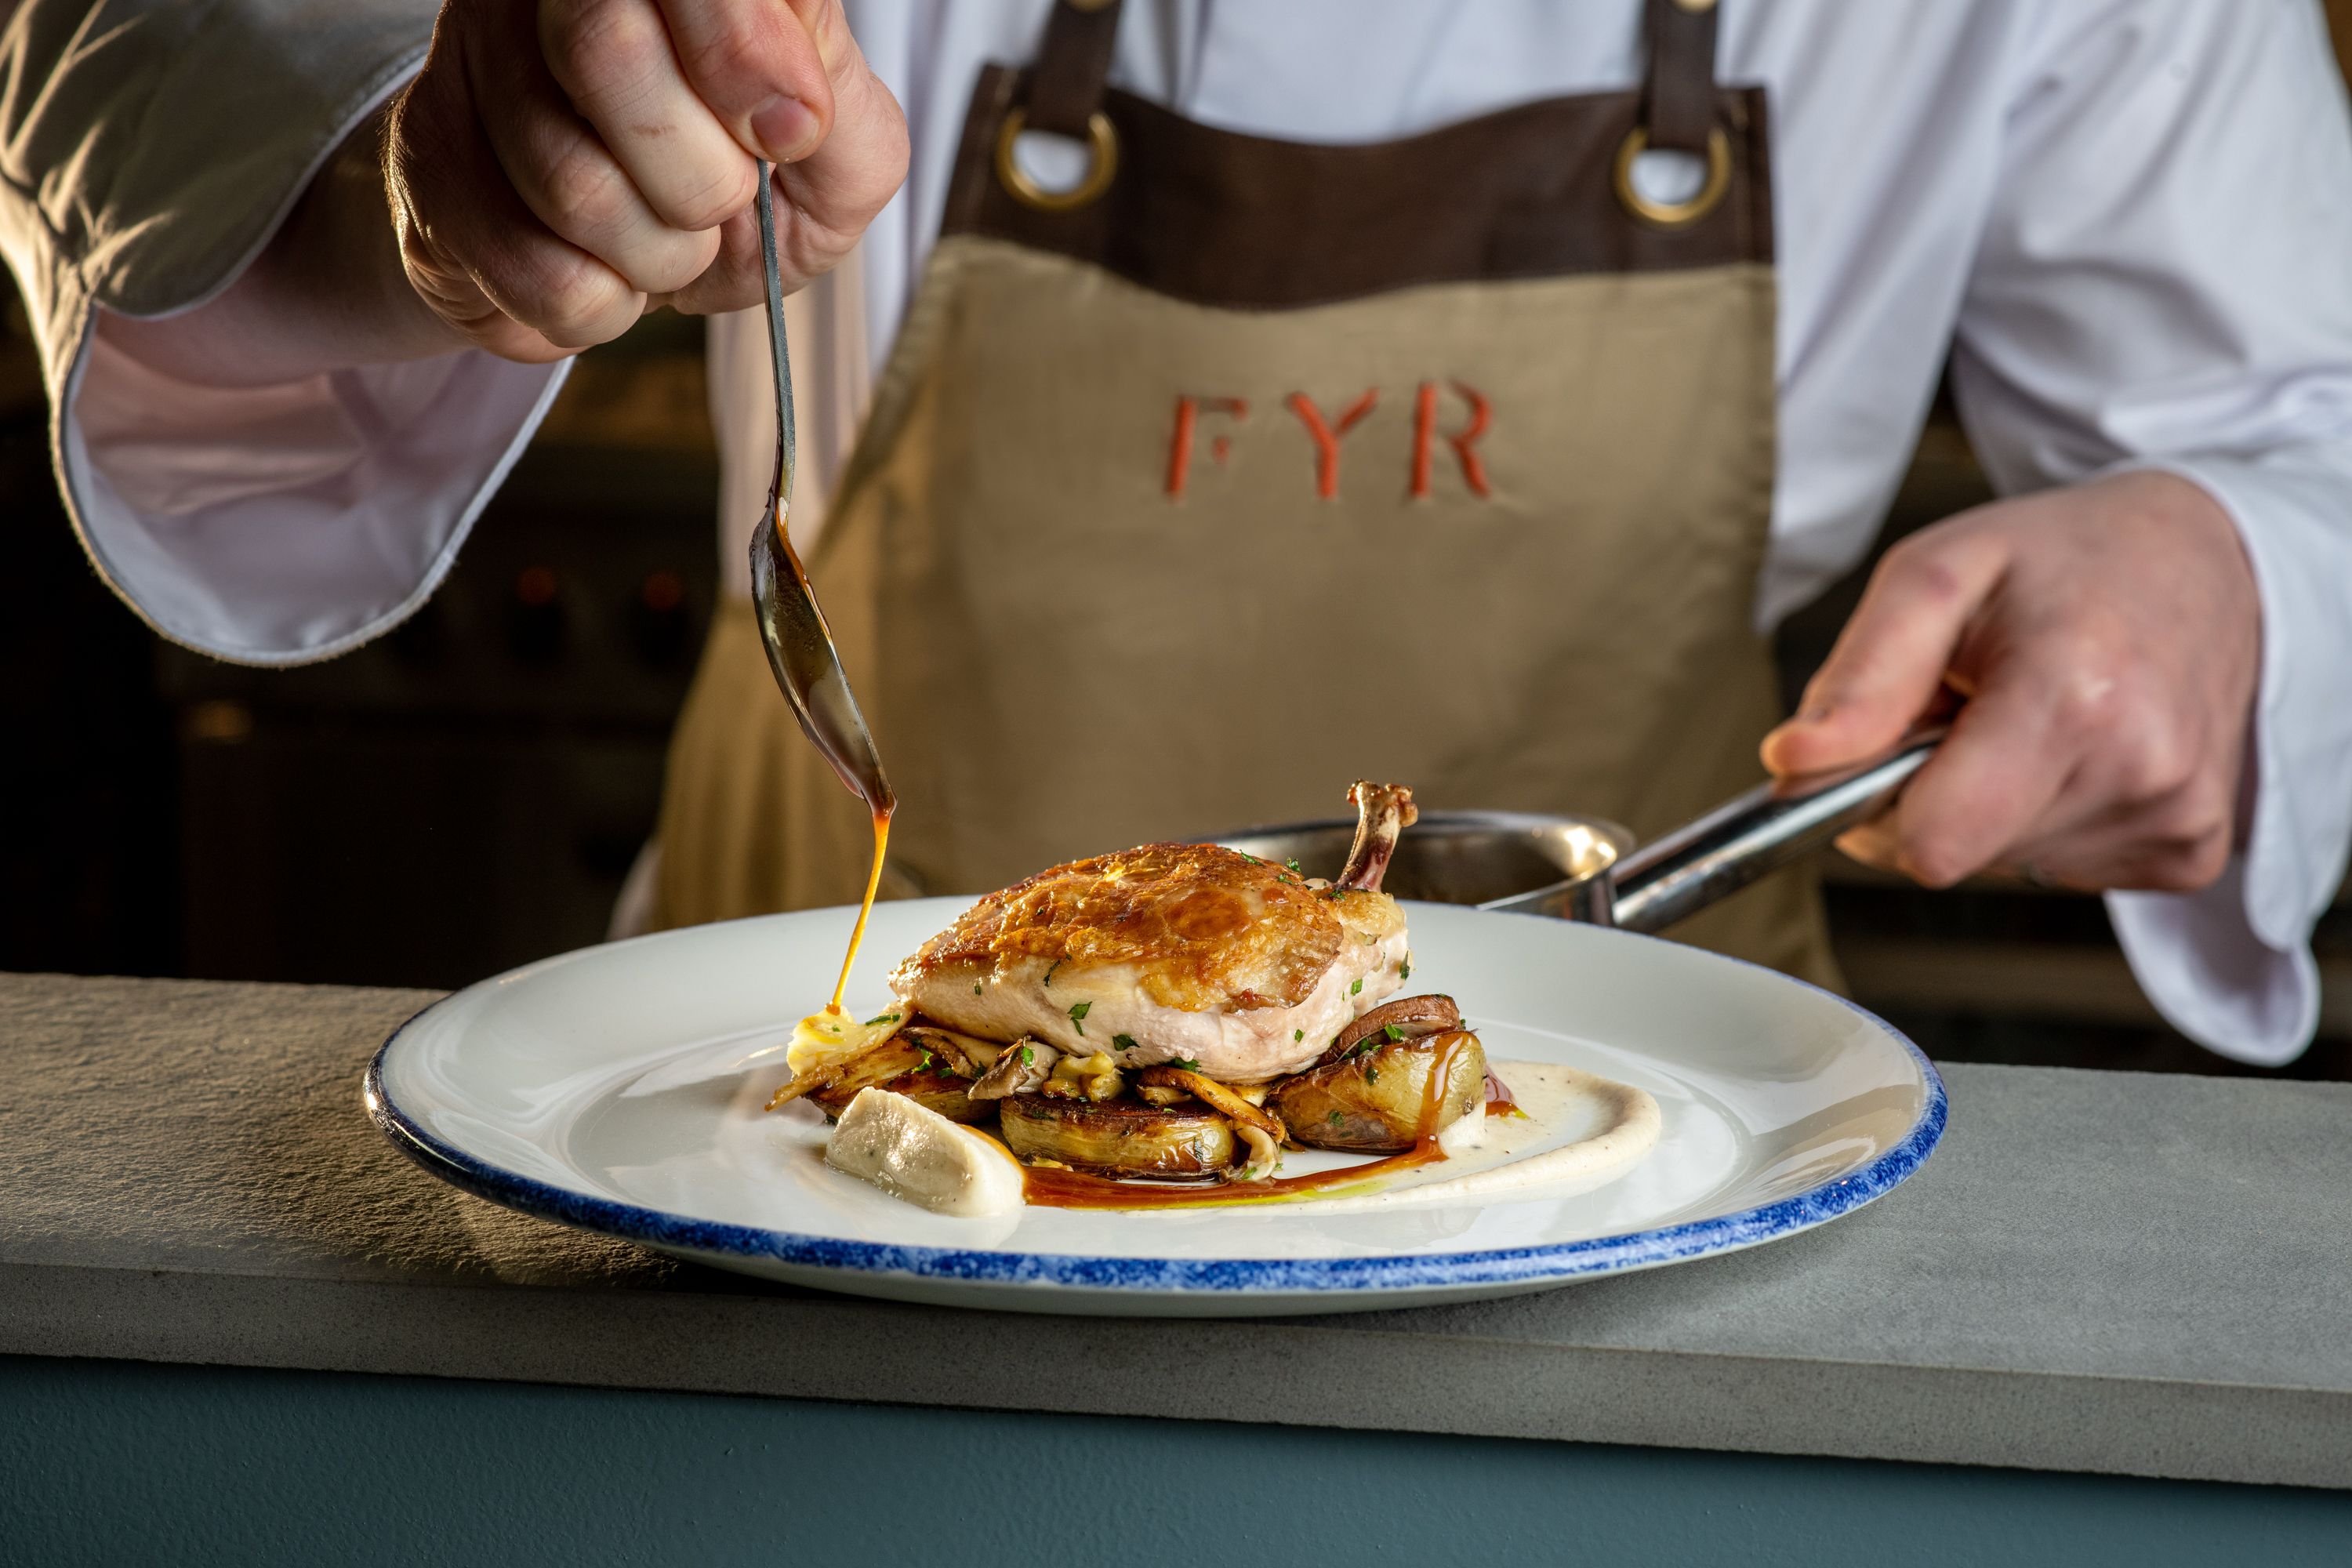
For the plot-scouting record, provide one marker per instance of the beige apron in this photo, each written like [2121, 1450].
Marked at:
[1263, 467]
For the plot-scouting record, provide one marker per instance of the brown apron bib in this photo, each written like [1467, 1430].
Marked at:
[1250, 468]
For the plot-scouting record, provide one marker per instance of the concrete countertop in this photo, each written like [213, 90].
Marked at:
[2111, 1272]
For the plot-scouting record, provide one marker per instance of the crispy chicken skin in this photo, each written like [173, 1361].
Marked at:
[1201, 925]
[1172, 951]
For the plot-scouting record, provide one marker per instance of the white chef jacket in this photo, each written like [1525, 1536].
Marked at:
[2127, 222]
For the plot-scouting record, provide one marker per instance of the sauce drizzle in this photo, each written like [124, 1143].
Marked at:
[1069, 1190]
[857, 931]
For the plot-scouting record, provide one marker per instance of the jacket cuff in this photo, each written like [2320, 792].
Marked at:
[2230, 965]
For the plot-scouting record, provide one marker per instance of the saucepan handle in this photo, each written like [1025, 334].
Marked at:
[1755, 835]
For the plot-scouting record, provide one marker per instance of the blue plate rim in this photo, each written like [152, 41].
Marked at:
[1219, 1277]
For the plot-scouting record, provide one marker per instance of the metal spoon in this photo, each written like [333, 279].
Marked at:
[800, 645]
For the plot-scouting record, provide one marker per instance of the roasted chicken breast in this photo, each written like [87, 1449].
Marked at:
[1188, 953]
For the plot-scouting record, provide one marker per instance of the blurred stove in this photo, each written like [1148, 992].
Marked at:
[468, 793]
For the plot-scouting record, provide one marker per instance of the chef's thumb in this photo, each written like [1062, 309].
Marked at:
[1888, 669]
[761, 68]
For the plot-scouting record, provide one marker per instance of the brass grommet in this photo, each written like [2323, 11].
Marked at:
[1102, 144]
[1674, 215]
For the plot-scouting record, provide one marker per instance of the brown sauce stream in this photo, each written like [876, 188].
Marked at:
[857, 931]
[1069, 1190]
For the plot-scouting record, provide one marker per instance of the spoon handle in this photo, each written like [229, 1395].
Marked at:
[780, 492]
[1761, 831]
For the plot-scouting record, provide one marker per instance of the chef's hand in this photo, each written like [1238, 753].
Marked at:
[561, 166]
[2105, 639]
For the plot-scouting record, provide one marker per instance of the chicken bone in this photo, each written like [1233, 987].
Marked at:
[1383, 812]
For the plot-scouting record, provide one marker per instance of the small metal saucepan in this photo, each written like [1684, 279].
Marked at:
[1585, 868]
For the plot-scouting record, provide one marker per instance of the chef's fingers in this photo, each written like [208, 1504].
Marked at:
[2176, 846]
[832, 195]
[2169, 849]
[1889, 662]
[825, 200]
[615, 62]
[566, 174]
[761, 65]
[476, 254]
[733, 280]
[2135, 815]
[1992, 784]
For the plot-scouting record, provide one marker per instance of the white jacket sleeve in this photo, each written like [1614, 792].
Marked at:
[2167, 282]
[148, 151]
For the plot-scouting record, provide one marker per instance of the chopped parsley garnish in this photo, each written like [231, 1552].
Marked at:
[1248, 856]
[884, 1018]
[1358, 988]
[1371, 1073]
[1187, 1063]
[975, 987]
[1405, 970]
[1296, 1036]
[1078, 1011]
[1392, 1031]
[1124, 1042]
[1028, 1057]
[1053, 966]
[1293, 863]
[1333, 1118]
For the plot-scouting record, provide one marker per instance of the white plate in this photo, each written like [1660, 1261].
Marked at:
[620, 1089]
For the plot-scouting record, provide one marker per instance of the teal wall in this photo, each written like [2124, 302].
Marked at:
[118, 1462]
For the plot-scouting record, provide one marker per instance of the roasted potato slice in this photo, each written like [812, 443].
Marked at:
[1119, 1138]
[1373, 1103]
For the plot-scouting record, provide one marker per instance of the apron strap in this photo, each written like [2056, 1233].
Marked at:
[1067, 88]
[1678, 98]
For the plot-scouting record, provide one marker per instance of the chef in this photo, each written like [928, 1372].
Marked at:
[1235, 399]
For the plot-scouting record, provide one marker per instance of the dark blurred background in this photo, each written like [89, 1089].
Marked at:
[469, 792]
[451, 800]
